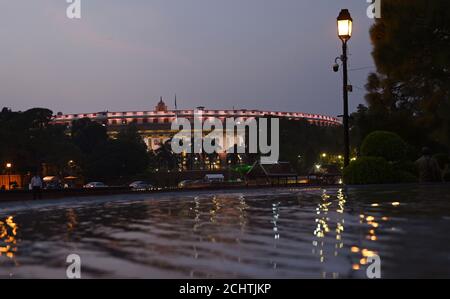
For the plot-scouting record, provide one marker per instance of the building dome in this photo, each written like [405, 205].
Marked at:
[161, 106]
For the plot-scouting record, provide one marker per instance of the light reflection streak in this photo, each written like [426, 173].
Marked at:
[72, 221]
[196, 213]
[274, 221]
[222, 212]
[330, 213]
[8, 238]
[215, 209]
[242, 207]
[276, 216]
[363, 252]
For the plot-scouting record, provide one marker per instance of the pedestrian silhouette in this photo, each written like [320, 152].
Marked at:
[428, 167]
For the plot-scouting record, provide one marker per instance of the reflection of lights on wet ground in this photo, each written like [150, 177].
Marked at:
[214, 210]
[196, 213]
[374, 224]
[321, 229]
[364, 253]
[330, 218]
[243, 212]
[340, 220]
[8, 241]
[274, 221]
[276, 215]
[71, 219]
[367, 253]
[341, 202]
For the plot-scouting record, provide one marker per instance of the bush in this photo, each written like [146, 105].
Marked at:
[369, 170]
[406, 166]
[375, 170]
[384, 144]
[401, 176]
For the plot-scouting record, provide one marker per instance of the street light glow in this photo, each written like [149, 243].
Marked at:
[345, 25]
[8, 165]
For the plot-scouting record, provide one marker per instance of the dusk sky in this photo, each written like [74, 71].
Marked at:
[124, 54]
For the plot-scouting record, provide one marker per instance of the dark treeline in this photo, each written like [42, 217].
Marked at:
[30, 140]
[27, 140]
[301, 144]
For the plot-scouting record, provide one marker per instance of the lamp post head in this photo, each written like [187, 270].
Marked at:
[8, 165]
[345, 25]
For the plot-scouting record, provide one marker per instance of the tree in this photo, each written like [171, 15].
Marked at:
[114, 159]
[88, 134]
[29, 139]
[301, 143]
[410, 92]
[165, 157]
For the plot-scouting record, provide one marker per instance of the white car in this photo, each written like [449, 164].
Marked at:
[184, 184]
[95, 185]
[140, 186]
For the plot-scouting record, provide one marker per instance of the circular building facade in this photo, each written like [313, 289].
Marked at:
[155, 125]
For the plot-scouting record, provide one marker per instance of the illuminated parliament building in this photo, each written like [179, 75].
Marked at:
[155, 125]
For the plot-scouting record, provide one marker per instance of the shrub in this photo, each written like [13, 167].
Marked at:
[369, 170]
[376, 170]
[401, 176]
[384, 144]
[406, 166]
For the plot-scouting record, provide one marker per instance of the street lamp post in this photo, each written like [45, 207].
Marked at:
[9, 166]
[345, 28]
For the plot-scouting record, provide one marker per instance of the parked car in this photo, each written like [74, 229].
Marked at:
[193, 184]
[95, 185]
[53, 185]
[214, 178]
[140, 186]
[325, 174]
[184, 184]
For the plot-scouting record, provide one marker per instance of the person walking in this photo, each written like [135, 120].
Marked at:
[36, 186]
[428, 167]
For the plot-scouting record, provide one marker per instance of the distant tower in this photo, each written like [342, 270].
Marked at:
[161, 107]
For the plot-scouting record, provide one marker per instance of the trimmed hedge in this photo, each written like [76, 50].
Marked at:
[375, 170]
[368, 170]
[384, 144]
